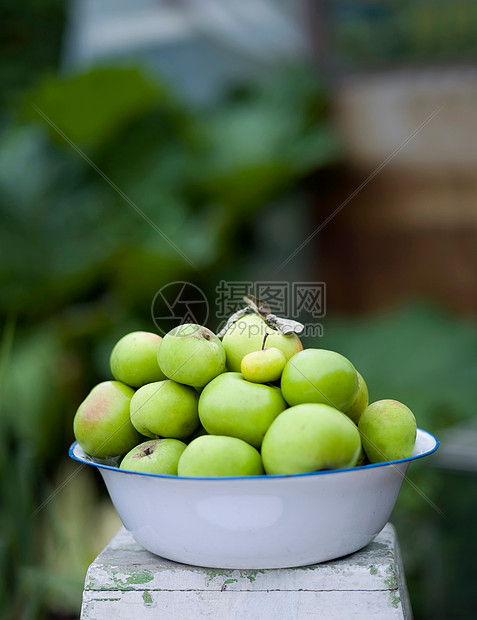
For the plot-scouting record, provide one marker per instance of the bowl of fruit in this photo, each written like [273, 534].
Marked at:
[247, 451]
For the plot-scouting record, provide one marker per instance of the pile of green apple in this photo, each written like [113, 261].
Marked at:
[254, 402]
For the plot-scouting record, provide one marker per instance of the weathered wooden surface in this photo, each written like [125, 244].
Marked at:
[127, 582]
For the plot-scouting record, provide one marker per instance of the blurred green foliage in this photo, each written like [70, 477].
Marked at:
[376, 33]
[175, 164]
[30, 42]
[81, 263]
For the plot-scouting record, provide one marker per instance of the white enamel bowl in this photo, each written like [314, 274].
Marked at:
[257, 521]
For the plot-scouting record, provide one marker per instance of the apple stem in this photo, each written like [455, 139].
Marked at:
[264, 340]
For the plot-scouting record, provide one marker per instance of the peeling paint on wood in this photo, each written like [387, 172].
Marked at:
[126, 582]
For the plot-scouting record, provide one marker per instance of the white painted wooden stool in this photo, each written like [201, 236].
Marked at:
[125, 582]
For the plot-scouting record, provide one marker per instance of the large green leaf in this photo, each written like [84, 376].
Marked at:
[90, 107]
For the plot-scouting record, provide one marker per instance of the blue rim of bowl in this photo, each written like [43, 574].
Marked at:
[324, 472]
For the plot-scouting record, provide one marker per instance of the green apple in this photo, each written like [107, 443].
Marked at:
[263, 366]
[102, 425]
[157, 456]
[214, 455]
[230, 405]
[165, 409]
[320, 376]
[360, 402]
[310, 437]
[191, 354]
[247, 335]
[388, 431]
[134, 359]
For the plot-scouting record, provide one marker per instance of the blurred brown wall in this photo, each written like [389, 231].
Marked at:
[412, 230]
